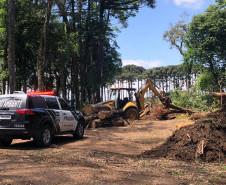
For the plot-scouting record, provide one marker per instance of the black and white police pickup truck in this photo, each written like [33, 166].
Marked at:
[37, 116]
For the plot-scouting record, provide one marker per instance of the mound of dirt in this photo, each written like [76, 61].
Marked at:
[204, 141]
[159, 112]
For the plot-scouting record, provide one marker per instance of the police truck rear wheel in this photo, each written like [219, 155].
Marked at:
[45, 137]
[132, 114]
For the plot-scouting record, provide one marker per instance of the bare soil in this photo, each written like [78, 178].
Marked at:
[109, 155]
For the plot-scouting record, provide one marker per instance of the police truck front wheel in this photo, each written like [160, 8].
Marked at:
[79, 131]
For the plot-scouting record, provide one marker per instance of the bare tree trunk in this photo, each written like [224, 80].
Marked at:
[81, 60]
[4, 68]
[11, 56]
[42, 50]
[75, 81]
[63, 83]
[24, 85]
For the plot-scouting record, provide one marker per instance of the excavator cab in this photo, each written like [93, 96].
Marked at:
[123, 99]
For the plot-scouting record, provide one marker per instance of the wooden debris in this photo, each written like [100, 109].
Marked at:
[95, 123]
[184, 125]
[221, 97]
[197, 115]
[89, 119]
[117, 122]
[200, 148]
[98, 115]
[179, 108]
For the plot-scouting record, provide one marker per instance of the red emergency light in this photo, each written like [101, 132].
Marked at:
[40, 93]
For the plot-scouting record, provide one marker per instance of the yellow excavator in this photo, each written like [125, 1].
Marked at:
[122, 99]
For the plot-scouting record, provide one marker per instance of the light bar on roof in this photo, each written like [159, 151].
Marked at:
[40, 93]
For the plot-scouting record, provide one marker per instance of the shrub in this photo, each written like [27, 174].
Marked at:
[192, 100]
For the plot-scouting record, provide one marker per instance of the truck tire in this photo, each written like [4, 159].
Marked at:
[45, 137]
[132, 114]
[5, 142]
[79, 131]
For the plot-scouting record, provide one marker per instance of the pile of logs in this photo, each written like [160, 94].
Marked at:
[98, 115]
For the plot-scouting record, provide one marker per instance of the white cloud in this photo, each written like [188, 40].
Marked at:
[194, 4]
[145, 64]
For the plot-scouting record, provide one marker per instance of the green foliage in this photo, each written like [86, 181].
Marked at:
[206, 39]
[80, 48]
[193, 100]
[206, 82]
[3, 72]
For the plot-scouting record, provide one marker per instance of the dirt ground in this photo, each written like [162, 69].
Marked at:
[105, 156]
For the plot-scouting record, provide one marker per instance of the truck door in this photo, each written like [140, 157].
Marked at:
[69, 121]
[53, 107]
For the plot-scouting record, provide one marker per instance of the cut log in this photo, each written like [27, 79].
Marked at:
[88, 110]
[105, 114]
[216, 94]
[89, 119]
[220, 96]
[179, 108]
[95, 108]
[109, 114]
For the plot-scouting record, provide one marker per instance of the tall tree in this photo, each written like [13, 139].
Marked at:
[176, 37]
[42, 50]
[3, 45]
[206, 39]
[11, 55]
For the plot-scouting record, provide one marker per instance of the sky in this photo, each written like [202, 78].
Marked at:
[142, 44]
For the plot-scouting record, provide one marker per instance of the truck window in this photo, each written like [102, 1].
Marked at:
[36, 102]
[64, 105]
[51, 103]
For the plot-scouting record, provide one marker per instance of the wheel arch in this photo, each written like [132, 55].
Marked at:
[129, 105]
[48, 121]
[82, 119]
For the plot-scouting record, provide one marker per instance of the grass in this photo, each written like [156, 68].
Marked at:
[202, 169]
[182, 116]
[223, 166]
[175, 173]
[42, 154]
[220, 175]
[61, 154]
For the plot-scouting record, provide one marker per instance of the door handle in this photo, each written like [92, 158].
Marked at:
[64, 114]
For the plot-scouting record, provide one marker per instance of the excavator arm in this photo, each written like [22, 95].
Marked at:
[166, 101]
[140, 94]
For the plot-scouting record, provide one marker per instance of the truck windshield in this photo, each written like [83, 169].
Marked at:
[12, 103]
